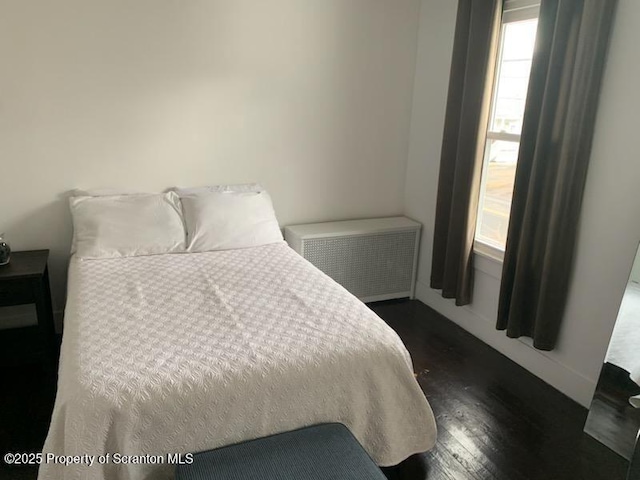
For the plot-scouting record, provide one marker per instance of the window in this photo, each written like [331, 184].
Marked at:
[519, 24]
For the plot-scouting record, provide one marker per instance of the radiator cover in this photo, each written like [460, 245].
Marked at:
[375, 259]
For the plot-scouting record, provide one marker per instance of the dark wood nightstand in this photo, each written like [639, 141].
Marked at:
[23, 281]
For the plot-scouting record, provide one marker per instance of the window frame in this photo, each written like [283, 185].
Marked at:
[513, 11]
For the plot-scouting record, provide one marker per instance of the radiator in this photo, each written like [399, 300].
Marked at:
[375, 259]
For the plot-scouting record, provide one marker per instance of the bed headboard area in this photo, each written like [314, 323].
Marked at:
[151, 94]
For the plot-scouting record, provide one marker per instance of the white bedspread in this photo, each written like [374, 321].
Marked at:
[189, 352]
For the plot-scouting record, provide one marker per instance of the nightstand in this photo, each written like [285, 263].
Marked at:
[25, 280]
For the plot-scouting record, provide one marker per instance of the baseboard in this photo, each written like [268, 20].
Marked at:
[542, 364]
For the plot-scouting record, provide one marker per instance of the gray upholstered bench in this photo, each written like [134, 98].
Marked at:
[322, 452]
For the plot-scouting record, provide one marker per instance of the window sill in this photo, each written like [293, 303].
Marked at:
[488, 251]
[488, 259]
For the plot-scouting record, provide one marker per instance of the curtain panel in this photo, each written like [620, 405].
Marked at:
[468, 102]
[555, 145]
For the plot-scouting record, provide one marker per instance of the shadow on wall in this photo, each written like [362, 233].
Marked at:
[48, 226]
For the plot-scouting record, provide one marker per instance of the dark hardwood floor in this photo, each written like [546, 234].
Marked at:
[26, 401]
[495, 420]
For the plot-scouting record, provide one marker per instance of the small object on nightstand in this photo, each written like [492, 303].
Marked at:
[23, 281]
[5, 251]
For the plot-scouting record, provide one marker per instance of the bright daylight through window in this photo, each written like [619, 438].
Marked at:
[505, 124]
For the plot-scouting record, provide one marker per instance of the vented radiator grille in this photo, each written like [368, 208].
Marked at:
[366, 265]
[374, 259]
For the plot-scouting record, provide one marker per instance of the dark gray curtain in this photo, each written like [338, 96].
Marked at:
[468, 102]
[554, 153]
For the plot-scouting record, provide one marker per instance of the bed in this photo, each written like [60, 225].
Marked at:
[185, 352]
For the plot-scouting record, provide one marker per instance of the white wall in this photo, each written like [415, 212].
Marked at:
[635, 270]
[311, 98]
[609, 230]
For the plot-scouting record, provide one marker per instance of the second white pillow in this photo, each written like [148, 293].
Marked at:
[219, 221]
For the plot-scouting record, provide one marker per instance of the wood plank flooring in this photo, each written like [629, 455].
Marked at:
[496, 421]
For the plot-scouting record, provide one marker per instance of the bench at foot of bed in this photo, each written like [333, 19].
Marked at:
[320, 452]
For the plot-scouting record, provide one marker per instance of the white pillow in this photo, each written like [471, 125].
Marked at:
[99, 192]
[127, 225]
[239, 188]
[219, 221]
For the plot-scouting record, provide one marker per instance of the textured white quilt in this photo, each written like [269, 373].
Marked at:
[188, 352]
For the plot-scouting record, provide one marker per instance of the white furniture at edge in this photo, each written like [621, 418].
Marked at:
[375, 259]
